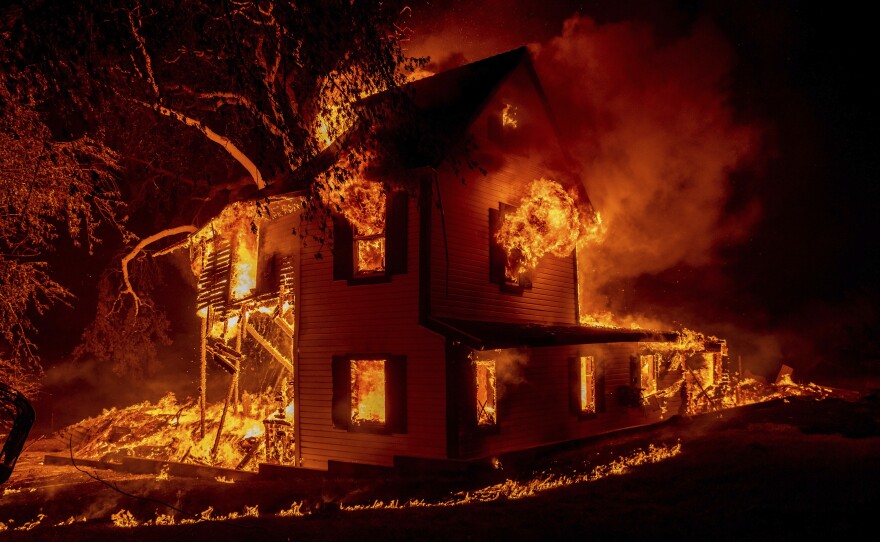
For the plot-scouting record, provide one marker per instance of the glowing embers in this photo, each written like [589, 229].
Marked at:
[367, 391]
[546, 222]
[587, 383]
[487, 394]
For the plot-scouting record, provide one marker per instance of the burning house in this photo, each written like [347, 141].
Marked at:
[440, 321]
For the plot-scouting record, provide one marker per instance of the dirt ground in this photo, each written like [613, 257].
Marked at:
[793, 469]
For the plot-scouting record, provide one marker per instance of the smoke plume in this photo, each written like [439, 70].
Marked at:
[652, 127]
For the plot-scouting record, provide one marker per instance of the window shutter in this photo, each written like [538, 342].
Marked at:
[341, 392]
[396, 232]
[525, 279]
[213, 289]
[497, 256]
[395, 394]
[342, 249]
[269, 277]
[600, 384]
[635, 372]
[574, 385]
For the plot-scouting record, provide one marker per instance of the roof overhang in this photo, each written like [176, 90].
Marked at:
[495, 335]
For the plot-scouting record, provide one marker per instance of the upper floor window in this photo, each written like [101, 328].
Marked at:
[369, 251]
[498, 257]
[372, 252]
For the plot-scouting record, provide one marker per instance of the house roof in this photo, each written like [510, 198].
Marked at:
[430, 115]
[419, 123]
[492, 335]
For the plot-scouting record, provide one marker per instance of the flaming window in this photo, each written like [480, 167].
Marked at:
[587, 384]
[486, 396]
[243, 281]
[648, 374]
[370, 246]
[498, 256]
[367, 391]
[369, 253]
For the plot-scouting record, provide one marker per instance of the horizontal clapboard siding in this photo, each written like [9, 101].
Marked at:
[534, 405]
[460, 283]
[336, 319]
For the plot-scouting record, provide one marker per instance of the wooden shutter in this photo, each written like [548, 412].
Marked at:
[395, 394]
[498, 256]
[599, 369]
[396, 232]
[635, 372]
[342, 249]
[341, 392]
[213, 289]
[574, 385]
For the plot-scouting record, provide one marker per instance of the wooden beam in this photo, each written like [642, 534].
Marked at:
[283, 324]
[269, 348]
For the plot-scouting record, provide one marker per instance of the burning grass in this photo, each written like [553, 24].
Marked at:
[758, 456]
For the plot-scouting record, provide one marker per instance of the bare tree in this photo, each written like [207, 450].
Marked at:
[202, 102]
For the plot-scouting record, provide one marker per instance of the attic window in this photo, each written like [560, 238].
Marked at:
[486, 393]
[369, 393]
[502, 125]
[509, 117]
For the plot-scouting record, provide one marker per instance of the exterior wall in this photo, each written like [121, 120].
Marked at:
[336, 319]
[534, 395]
[460, 280]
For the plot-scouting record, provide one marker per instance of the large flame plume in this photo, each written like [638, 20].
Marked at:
[361, 202]
[547, 221]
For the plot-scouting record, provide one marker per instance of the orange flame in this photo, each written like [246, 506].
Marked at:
[367, 391]
[361, 202]
[486, 392]
[546, 222]
[244, 275]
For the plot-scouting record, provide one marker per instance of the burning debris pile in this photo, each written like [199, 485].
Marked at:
[169, 430]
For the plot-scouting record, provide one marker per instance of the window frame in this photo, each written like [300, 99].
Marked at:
[396, 244]
[395, 394]
[575, 378]
[496, 422]
[498, 256]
